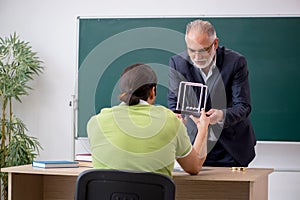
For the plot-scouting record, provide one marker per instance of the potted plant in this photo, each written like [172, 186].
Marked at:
[18, 65]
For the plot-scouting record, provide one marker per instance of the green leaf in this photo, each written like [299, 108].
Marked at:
[18, 65]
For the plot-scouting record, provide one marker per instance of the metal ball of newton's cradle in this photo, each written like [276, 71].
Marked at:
[191, 108]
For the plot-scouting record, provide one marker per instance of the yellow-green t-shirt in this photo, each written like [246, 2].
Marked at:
[140, 137]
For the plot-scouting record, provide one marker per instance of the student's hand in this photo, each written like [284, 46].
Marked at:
[215, 116]
[183, 120]
[201, 122]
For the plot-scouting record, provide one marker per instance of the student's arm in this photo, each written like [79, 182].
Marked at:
[192, 163]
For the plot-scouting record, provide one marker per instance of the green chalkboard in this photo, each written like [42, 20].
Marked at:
[270, 44]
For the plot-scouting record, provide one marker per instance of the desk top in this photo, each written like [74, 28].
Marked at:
[224, 174]
[207, 173]
[28, 169]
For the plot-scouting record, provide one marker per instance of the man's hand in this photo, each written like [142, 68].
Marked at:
[215, 116]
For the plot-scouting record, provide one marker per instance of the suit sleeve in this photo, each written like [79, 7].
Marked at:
[240, 107]
[173, 85]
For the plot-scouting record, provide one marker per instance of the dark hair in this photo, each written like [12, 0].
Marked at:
[142, 92]
[136, 82]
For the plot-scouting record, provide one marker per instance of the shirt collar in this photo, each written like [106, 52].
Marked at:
[142, 102]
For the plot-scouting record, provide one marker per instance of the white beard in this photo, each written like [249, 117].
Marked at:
[201, 66]
[207, 63]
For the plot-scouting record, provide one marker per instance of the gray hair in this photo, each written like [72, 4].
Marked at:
[202, 27]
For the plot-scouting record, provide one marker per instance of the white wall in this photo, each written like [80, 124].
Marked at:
[50, 26]
[283, 157]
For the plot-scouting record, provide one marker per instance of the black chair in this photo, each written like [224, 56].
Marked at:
[97, 184]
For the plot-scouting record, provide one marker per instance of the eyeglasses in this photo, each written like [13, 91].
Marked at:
[201, 51]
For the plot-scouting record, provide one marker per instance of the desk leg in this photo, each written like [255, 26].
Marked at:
[9, 187]
[259, 188]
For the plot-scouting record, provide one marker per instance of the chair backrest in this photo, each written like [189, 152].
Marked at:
[96, 184]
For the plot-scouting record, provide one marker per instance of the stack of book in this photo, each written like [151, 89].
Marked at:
[55, 164]
[85, 157]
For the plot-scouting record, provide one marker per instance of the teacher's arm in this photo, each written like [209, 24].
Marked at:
[239, 105]
[175, 77]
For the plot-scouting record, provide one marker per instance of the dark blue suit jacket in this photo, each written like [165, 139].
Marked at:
[230, 92]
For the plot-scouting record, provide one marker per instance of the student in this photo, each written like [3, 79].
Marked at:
[138, 135]
[231, 138]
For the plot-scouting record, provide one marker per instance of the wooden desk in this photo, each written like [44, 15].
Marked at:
[220, 183]
[27, 183]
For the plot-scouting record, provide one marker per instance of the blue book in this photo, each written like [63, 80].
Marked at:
[55, 164]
